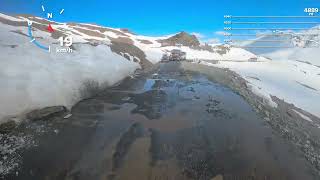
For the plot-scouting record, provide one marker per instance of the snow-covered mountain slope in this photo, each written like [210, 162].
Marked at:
[307, 55]
[155, 48]
[32, 78]
[291, 74]
[293, 81]
[306, 46]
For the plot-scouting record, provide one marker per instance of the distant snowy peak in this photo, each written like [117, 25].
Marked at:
[181, 39]
[280, 40]
[305, 47]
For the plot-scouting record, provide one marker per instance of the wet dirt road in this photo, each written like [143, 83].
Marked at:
[166, 125]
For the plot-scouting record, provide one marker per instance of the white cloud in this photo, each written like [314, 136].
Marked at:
[213, 41]
[220, 33]
[198, 35]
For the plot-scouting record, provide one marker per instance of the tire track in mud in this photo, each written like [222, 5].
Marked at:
[126, 140]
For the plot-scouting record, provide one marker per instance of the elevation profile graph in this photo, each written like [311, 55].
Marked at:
[256, 32]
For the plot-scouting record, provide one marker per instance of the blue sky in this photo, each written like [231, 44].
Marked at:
[150, 17]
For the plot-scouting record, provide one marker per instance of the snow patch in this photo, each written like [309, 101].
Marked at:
[279, 78]
[11, 18]
[302, 116]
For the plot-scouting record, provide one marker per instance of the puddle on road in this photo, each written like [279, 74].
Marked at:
[149, 84]
[181, 126]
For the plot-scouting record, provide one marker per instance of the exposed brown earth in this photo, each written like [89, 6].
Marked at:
[126, 30]
[33, 18]
[123, 40]
[98, 28]
[122, 45]
[90, 32]
[56, 34]
[182, 38]
[13, 23]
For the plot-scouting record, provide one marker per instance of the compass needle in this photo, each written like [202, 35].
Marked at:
[50, 29]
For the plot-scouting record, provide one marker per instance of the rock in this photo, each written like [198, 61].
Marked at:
[7, 127]
[42, 114]
[119, 46]
[192, 89]
[135, 59]
[197, 97]
[267, 119]
[127, 56]
[219, 177]
[267, 114]
[181, 38]
[67, 116]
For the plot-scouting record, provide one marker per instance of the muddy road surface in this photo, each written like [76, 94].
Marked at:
[170, 124]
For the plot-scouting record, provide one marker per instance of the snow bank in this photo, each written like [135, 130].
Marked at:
[294, 82]
[33, 78]
[310, 55]
[152, 51]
